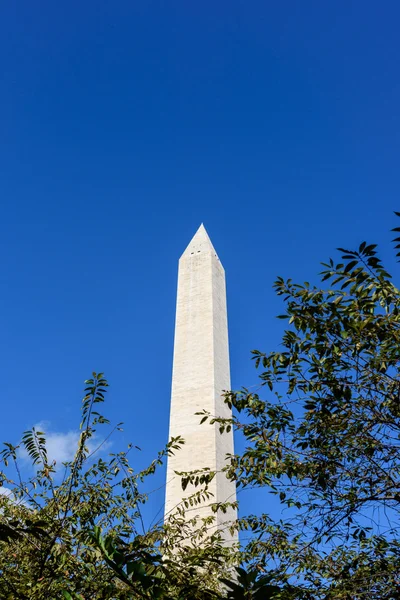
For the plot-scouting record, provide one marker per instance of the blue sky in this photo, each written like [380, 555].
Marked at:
[123, 126]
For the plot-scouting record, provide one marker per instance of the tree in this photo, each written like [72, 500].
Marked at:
[83, 537]
[326, 438]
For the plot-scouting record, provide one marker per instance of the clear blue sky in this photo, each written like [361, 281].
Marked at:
[123, 126]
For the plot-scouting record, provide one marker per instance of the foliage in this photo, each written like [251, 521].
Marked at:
[250, 585]
[83, 537]
[326, 442]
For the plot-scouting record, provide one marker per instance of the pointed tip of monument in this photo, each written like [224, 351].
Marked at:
[200, 242]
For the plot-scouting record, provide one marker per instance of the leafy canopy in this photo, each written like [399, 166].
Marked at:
[326, 439]
[82, 536]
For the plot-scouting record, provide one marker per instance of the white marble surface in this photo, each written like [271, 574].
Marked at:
[200, 374]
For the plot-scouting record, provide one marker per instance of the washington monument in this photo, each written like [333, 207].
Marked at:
[200, 375]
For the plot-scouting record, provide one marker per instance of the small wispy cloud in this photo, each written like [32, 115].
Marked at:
[62, 446]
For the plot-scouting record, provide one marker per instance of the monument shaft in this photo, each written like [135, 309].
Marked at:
[200, 375]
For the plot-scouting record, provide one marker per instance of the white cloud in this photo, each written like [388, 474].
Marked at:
[62, 447]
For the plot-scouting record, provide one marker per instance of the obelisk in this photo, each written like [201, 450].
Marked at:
[200, 375]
